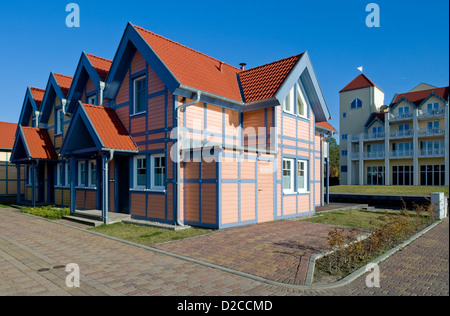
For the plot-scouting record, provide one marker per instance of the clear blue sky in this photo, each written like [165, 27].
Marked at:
[410, 47]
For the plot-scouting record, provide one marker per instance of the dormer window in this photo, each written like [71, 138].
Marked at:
[92, 100]
[139, 95]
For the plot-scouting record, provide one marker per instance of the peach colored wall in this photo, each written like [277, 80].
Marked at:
[265, 191]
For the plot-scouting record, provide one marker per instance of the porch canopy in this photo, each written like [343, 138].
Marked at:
[96, 131]
[31, 146]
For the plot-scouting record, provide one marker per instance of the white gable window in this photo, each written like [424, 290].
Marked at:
[140, 172]
[302, 176]
[159, 172]
[301, 103]
[288, 104]
[139, 95]
[59, 122]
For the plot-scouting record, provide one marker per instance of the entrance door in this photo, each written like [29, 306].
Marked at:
[122, 171]
[41, 183]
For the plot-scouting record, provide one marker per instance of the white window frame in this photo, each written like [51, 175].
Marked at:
[303, 100]
[135, 172]
[67, 171]
[153, 172]
[292, 172]
[92, 99]
[92, 184]
[80, 178]
[59, 122]
[305, 176]
[291, 98]
[59, 175]
[135, 81]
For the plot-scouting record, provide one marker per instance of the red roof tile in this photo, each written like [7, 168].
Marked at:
[109, 128]
[64, 82]
[358, 83]
[38, 96]
[326, 125]
[264, 81]
[194, 69]
[39, 143]
[102, 65]
[418, 96]
[7, 134]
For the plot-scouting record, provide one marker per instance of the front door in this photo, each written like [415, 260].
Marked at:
[122, 190]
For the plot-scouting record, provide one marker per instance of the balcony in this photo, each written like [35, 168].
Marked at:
[402, 134]
[400, 117]
[355, 156]
[401, 153]
[374, 155]
[355, 138]
[374, 136]
[432, 152]
[431, 132]
[431, 113]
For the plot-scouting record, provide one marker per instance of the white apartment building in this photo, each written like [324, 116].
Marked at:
[405, 143]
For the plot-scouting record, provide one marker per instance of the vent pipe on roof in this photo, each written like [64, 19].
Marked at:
[221, 66]
[242, 66]
[102, 88]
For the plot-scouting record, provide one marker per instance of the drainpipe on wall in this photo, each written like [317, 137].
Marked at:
[106, 186]
[197, 100]
[102, 88]
[327, 185]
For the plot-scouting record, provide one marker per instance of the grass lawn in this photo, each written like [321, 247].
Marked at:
[386, 189]
[48, 212]
[4, 206]
[357, 218]
[148, 236]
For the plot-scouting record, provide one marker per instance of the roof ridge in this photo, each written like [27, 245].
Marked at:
[98, 57]
[37, 89]
[56, 74]
[184, 46]
[274, 62]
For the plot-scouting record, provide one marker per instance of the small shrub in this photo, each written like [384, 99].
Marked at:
[48, 212]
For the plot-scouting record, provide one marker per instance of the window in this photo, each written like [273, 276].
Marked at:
[344, 153]
[433, 175]
[59, 122]
[375, 175]
[344, 169]
[92, 100]
[344, 136]
[377, 130]
[68, 174]
[81, 174]
[302, 176]
[140, 98]
[29, 175]
[288, 175]
[92, 173]
[59, 174]
[356, 104]
[433, 126]
[402, 175]
[159, 171]
[344, 115]
[301, 104]
[288, 104]
[404, 110]
[432, 108]
[140, 172]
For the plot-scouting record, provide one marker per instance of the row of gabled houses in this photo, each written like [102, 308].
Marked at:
[165, 133]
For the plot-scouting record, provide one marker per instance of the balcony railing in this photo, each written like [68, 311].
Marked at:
[431, 132]
[374, 155]
[402, 134]
[401, 153]
[431, 113]
[355, 156]
[432, 152]
[373, 136]
[400, 117]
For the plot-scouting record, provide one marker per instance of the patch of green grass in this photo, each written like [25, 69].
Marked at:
[49, 212]
[386, 189]
[4, 206]
[357, 218]
[147, 236]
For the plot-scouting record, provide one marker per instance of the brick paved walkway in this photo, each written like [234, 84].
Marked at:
[108, 267]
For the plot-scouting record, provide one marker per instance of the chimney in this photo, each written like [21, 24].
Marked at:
[242, 66]
[221, 66]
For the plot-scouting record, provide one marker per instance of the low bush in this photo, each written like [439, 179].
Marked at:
[49, 212]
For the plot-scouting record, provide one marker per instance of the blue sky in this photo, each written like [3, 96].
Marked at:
[411, 46]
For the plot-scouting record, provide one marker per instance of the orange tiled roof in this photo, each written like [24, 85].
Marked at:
[264, 81]
[326, 125]
[358, 83]
[194, 69]
[102, 65]
[7, 134]
[38, 96]
[64, 83]
[418, 96]
[109, 128]
[39, 143]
